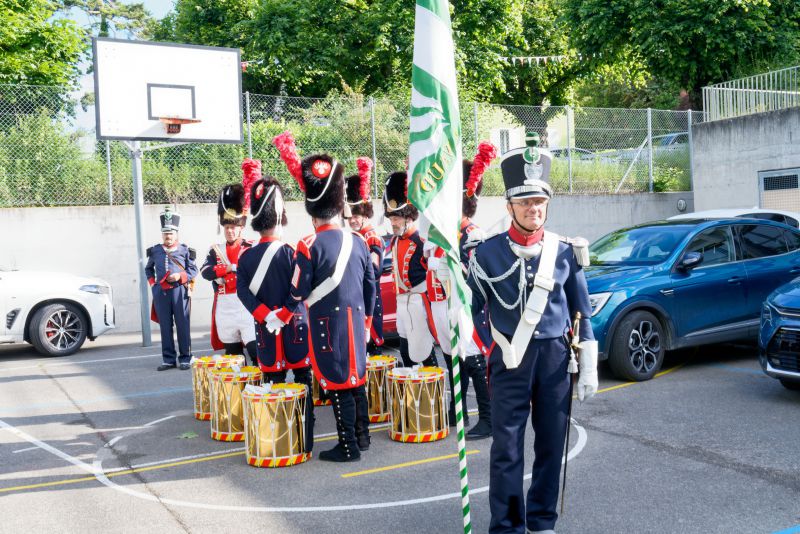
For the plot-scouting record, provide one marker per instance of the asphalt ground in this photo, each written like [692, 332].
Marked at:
[100, 441]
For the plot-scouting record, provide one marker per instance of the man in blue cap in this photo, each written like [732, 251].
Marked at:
[533, 283]
[171, 271]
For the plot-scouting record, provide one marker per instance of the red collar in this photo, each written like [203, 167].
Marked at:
[525, 240]
[411, 231]
[235, 244]
[267, 239]
[364, 230]
[325, 227]
[465, 222]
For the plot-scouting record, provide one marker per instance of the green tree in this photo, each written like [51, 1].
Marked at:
[688, 44]
[37, 48]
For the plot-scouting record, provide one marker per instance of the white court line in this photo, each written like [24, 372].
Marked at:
[151, 423]
[81, 362]
[25, 450]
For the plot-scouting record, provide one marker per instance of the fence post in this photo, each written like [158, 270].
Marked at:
[110, 180]
[691, 150]
[650, 147]
[374, 144]
[475, 123]
[249, 133]
[569, 149]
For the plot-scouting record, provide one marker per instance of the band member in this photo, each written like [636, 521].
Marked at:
[334, 277]
[533, 284]
[410, 268]
[170, 271]
[480, 344]
[361, 212]
[263, 281]
[231, 325]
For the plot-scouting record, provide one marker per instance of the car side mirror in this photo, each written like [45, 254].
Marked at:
[690, 260]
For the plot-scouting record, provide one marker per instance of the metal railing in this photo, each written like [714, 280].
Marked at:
[49, 155]
[770, 91]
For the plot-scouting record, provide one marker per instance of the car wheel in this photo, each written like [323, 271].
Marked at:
[790, 384]
[58, 329]
[637, 348]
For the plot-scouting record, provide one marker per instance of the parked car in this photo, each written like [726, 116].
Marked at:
[779, 336]
[787, 217]
[671, 284]
[55, 312]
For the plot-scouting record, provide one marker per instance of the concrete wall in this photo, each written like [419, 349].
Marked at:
[729, 154]
[101, 240]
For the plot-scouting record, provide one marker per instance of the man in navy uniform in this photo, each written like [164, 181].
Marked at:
[170, 272]
[361, 212]
[333, 276]
[533, 283]
[263, 282]
[231, 324]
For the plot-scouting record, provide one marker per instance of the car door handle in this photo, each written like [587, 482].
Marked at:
[735, 279]
[794, 270]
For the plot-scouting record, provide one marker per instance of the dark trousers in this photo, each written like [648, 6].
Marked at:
[173, 305]
[539, 387]
[344, 410]
[362, 414]
[451, 409]
[239, 348]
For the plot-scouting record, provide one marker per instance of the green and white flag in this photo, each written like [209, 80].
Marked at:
[435, 178]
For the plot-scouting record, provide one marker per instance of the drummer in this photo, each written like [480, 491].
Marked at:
[264, 278]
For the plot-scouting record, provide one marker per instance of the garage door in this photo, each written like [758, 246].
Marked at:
[779, 189]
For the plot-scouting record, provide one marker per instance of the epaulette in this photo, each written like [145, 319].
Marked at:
[148, 251]
[192, 253]
[580, 247]
[475, 237]
[304, 245]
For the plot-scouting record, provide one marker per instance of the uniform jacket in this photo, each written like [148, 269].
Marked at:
[568, 296]
[161, 264]
[410, 266]
[289, 348]
[224, 283]
[339, 320]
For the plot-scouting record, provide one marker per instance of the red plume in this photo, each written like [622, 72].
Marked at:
[364, 169]
[288, 151]
[486, 153]
[251, 172]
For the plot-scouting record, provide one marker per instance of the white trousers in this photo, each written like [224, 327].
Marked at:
[412, 324]
[234, 323]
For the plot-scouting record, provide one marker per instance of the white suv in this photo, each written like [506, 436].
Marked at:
[55, 312]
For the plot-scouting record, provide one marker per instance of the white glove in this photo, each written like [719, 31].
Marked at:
[443, 271]
[587, 379]
[273, 322]
[433, 264]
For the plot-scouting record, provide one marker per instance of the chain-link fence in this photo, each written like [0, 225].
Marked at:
[49, 155]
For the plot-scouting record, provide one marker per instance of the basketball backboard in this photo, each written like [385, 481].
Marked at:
[146, 91]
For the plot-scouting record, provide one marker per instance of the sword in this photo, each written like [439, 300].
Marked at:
[572, 370]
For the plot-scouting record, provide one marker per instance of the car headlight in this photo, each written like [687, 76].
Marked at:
[598, 300]
[96, 288]
[766, 314]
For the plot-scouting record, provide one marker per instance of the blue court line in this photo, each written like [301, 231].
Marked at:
[95, 400]
[790, 530]
[735, 369]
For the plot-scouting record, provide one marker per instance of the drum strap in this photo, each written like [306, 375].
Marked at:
[220, 255]
[535, 305]
[263, 266]
[330, 283]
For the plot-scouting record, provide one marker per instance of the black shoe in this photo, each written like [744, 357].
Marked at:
[165, 366]
[340, 453]
[363, 443]
[482, 430]
[184, 367]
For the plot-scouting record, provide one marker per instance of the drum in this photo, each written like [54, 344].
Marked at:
[377, 387]
[274, 424]
[417, 410]
[201, 381]
[227, 415]
[318, 394]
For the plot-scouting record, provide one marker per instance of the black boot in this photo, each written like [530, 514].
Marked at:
[274, 377]
[344, 409]
[451, 409]
[431, 361]
[362, 417]
[476, 369]
[404, 353]
[303, 376]
[235, 348]
[252, 353]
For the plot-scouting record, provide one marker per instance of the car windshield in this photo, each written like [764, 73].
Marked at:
[647, 245]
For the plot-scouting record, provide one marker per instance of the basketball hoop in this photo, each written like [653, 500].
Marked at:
[174, 123]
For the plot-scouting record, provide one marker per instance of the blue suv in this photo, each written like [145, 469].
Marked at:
[671, 284]
[779, 338]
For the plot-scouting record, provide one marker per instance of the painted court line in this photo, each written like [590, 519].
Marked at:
[405, 464]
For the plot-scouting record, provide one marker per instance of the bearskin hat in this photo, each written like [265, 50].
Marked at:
[357, 189]
[230, 205]
[473, 177]
[395, 197]
[319, 176]
[266, 203]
